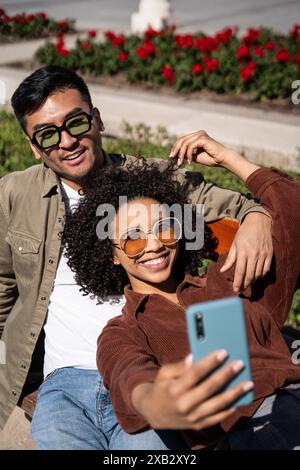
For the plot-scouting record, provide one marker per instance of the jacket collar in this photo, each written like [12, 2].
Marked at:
[51, 181]
[135, 299]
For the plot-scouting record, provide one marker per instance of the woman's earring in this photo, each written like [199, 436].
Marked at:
[116, 261]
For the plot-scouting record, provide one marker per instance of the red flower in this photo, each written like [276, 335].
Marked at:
[252, 35]
[42, 15]
[295, 30]
[168, 73]
[297, 58]
[60, 48]
[30, 17]
[146, 49]
[23, 21]
[224, 36]
[2, 12]
[86, 45]
[206, 44]
[6, 19]
[283, 56]
[15, 18]
[258, 51]
[197, 69]
[63, 24]
[63, 52]
[122, 56]
[141, 52]
[242, 51]
[212, 65]
[270, 46]
[118, 40]
[92, 33]
[109, 35]
[252, 65]
[60, 41]
[151, 32]
[184, 40]
[246, 73]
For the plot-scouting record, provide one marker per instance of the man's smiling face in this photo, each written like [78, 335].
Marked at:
[74, 157]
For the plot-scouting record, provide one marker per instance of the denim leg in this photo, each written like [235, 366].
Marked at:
[74, 412]
[65, 417]
[121, 440]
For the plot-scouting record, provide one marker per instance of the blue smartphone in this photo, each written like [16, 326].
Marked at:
[220, 324]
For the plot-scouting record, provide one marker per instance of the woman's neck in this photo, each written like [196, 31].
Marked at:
[166, 289]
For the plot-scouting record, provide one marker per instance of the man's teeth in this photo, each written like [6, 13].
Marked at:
[155, 261]
[72, 157]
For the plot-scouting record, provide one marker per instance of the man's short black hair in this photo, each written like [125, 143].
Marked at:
[32, 93]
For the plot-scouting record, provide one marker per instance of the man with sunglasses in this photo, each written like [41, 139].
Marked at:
[40, 302]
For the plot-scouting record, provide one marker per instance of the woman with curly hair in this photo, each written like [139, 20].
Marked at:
[142, 354]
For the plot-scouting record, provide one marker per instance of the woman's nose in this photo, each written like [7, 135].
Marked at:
[153, 243]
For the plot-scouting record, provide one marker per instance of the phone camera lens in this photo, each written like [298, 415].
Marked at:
[199, 326]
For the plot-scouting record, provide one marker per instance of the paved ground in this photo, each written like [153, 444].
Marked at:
[189, 14]
[15, 435]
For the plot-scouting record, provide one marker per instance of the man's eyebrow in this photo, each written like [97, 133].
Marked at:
[47, 124]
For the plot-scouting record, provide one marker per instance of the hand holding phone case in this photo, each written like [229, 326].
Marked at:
[220, 324]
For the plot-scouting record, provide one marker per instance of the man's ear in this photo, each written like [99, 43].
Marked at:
[35, 151]
[98, 119]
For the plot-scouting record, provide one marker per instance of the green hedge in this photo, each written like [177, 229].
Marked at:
[15, 154]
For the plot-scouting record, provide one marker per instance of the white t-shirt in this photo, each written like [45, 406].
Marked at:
[74, 321]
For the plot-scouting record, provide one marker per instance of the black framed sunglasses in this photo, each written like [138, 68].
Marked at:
[75, 126]
[167, 230]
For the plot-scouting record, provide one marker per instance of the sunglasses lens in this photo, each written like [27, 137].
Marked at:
[48, 137]
[78, 125]
[135, 242]
[168, 231]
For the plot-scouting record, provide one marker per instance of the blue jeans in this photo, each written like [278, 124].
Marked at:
[74, 411]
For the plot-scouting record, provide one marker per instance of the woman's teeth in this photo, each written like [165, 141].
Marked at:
[155, 261]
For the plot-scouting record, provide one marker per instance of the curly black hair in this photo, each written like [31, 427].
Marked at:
[91, 258]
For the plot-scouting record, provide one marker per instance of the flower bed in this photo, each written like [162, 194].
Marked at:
[31, 26]
[262, 63]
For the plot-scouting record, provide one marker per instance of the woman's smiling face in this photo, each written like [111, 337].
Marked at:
[153, 265]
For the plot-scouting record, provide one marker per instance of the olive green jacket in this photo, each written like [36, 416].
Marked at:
[31, 219]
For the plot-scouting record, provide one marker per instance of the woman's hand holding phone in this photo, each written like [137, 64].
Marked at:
[183, 395]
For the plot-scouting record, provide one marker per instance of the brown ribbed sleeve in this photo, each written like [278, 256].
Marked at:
[280, 195]
[124, 360]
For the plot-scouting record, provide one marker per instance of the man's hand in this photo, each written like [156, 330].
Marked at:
[200, 148]
[182, 397]
[251, 250]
